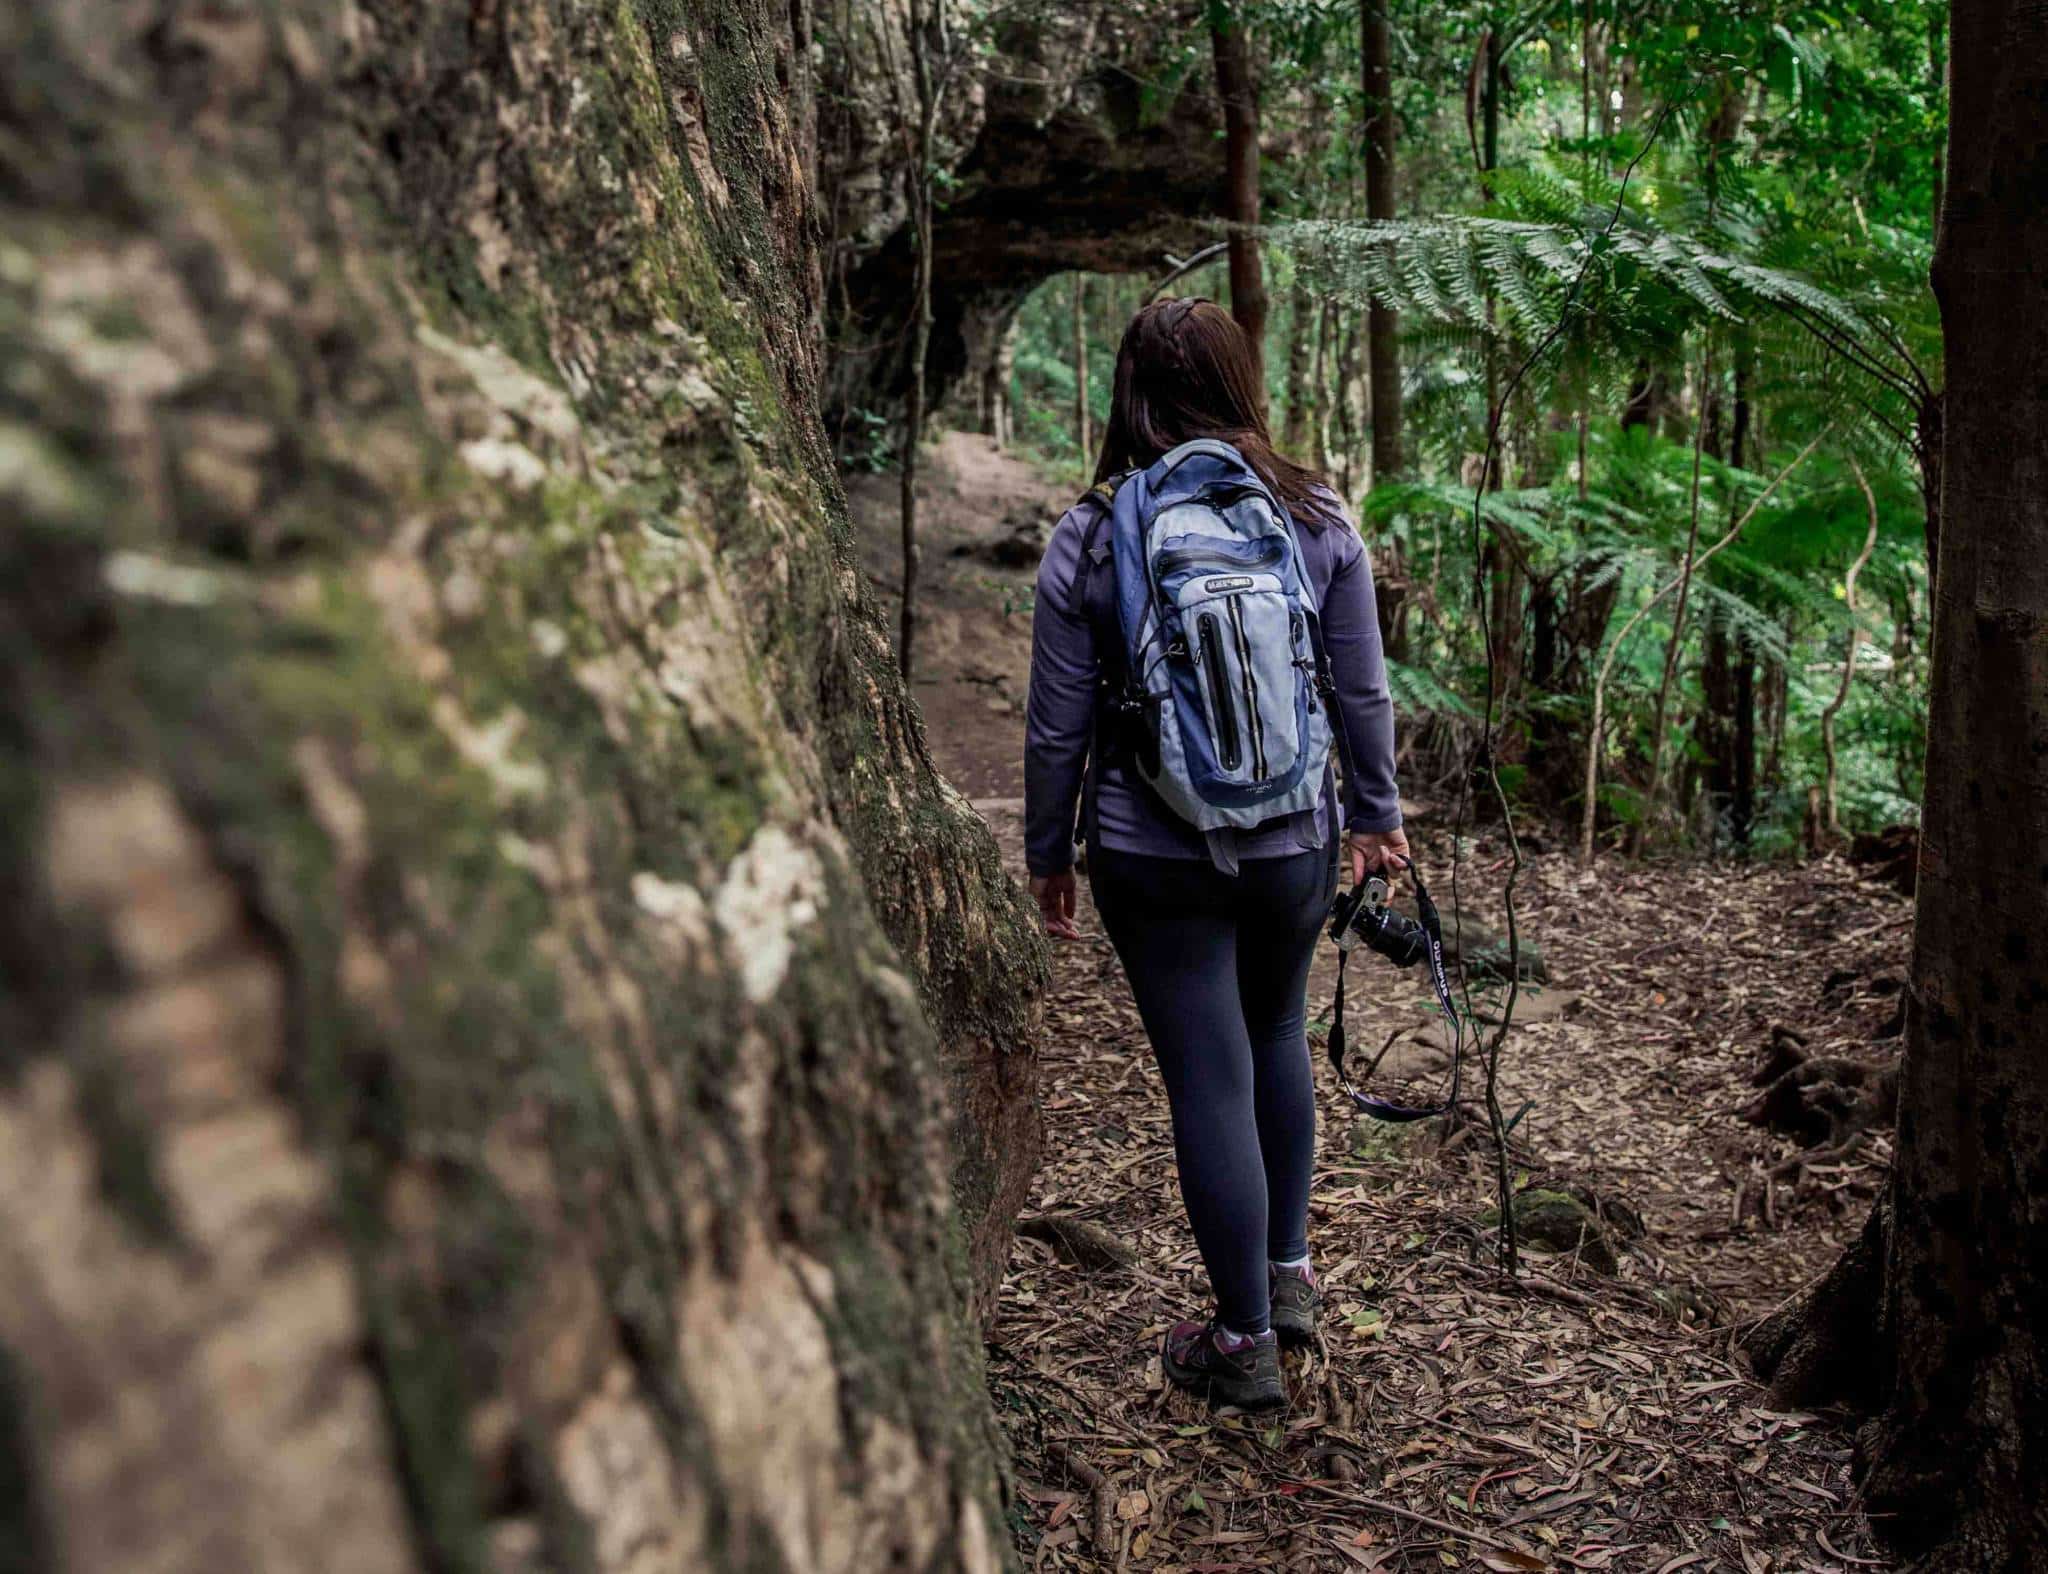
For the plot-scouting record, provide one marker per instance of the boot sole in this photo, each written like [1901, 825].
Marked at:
[1243, 1394]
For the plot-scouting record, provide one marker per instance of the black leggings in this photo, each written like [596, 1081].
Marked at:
[1219, 965]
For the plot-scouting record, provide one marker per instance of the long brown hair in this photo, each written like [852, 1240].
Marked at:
[1187, 370]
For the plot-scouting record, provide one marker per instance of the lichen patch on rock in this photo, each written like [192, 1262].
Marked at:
[770, 892]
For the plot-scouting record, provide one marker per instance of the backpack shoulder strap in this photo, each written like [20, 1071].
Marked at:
[1095, 597]
[1095, 578]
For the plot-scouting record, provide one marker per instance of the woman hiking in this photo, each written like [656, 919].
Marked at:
[1218, 960]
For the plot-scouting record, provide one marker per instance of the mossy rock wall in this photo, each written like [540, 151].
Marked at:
[1080, 136]
[493, 985]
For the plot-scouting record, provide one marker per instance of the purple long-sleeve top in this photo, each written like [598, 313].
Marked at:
[1060, 716]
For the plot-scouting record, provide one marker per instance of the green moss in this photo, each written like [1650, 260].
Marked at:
[247, 207]
[1560, 1222]
[428, 1403]
[124, 1147]
[117, 321]
[26, 1544]
[1377, 1140]
[568, 1538]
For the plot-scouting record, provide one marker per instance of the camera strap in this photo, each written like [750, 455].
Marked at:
[1386, 1109]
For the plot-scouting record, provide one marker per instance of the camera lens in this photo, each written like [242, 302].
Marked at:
[1398, 938]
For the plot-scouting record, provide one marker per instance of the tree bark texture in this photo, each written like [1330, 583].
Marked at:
[1957, 1456]
[1383, 323]
[1301, 388]
[1238, 91]
[484, 954]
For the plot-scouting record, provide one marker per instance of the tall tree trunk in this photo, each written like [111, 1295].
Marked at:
[1084, 419]
[1777, 685]
[1549, 737]
[1301, 390]
[1586, 91]
[1490, 84]
[1738, 426]
[1319, 414]
[488, 971]
[1645, 396]
[1937, 92]
[927, 18]
[1946, 1317]
[1390, 596]
[1727, 726]
[1230, 42]
[995, 386]
[1343, 398]
[1383, 323]
[1777, 705]
[1714, 732]
[1929, 449]
[1659, 716]
[1830, 780]
[1742, 805]
[1506, 616]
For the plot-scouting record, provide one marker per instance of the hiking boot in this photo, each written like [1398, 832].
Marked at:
[1225, 1369]
[1297, 1301]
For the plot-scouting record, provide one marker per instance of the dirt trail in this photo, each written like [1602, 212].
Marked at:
[973, 651]
[1576, 1419]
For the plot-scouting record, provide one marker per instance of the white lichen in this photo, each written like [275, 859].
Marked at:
[498, 459]
[145, 578]
[672, 903]
[768, 894]
[532, 401]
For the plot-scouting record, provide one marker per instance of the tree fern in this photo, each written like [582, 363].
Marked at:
[1645, 285]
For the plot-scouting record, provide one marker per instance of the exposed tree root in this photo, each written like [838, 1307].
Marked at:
[1891, 856]
[1829, 1344]
[1101, 1495]
[1082, 1243]
[1826, 1101]
[1341, 1418]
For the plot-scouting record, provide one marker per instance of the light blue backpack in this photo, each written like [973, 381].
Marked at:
[1222, 692]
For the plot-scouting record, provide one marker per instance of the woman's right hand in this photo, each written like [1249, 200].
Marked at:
[1058, 897]
[1384, 853]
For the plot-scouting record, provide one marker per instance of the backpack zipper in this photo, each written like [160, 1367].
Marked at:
[1270, 550]
[1304, 661]
[1219, 691]
[1251, 690]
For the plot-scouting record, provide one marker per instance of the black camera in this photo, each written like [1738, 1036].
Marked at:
[1361, 915]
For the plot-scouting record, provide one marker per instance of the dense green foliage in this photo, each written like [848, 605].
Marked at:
[1715, 222]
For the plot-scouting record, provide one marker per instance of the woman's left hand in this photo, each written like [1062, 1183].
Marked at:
[1059, 899]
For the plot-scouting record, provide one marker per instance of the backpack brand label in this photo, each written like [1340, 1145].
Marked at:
[1217, 587]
